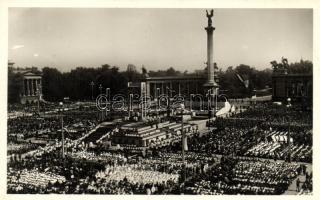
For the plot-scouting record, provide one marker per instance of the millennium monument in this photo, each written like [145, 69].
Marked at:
[203, 83]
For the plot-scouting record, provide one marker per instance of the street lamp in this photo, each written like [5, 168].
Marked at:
[107, 98]
[158, 103]
[100, 88]
[62, 133]
[289, 135]
[255, 96]
[38, 94]
[181, 107]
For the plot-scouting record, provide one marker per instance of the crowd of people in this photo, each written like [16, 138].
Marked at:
[86, 172]
[223, 142]
[244, 176]
[135, 174]
[28, 127]
[276, 150]
[159, 173]
[29, 133]
[273, 136]
[34, 177]
[20, 147]
[246, 153]
[275, 114]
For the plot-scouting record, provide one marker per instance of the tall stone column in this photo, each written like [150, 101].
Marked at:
[31, 83]
[211, 84]
[148, 88]
[32, 87]
[210, 62]
[23, 88]
[40, 87]
[35, 87]
[155, 90]
[28, 86]
[162, 88]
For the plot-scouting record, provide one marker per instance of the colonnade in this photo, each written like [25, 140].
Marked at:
[31, 86]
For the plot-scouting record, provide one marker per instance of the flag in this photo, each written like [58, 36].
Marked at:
[245, 80]
[240, 78]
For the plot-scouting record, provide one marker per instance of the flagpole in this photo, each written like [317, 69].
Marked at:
[62, 133]
[183, 150]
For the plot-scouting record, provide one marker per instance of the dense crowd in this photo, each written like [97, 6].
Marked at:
[278, 133]
[245, 154]
[31, 126]
[85, 172]
[21, 147]
[276, 150]
[224, 142]
[28, 133]
[244, 176]
[277, 114]
[117, 173]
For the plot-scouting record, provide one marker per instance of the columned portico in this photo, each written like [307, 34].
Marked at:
[31, 90]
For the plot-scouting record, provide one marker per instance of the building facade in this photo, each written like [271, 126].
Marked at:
[174, 85]
[297, 87]
[31, 82]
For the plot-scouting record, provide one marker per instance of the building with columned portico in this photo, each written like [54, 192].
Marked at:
[31, 82]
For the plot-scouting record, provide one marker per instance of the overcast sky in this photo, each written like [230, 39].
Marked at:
[156, 38]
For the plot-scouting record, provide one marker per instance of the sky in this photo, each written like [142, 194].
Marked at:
[66, 38]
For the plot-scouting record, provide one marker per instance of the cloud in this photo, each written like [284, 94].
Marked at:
[17, 47]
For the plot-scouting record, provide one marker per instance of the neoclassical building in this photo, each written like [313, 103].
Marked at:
[298, 87]
[31, 82]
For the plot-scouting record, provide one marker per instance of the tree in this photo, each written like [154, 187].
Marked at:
[172, 72]
[302, 67]
[52, 84]
[14, 86]
[169, 72]
[144, 70]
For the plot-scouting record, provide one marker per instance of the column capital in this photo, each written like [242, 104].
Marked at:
[209, 29]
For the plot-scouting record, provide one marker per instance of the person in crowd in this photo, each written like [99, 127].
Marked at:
[298, 185]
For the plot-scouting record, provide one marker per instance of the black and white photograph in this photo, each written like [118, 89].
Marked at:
[159, 101]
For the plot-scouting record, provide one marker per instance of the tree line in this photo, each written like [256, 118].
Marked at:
[77, 84]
